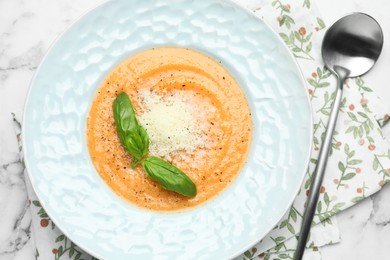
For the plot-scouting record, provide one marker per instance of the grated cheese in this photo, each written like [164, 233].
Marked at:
[171, 123]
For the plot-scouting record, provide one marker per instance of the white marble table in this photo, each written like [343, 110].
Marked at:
[27, 28]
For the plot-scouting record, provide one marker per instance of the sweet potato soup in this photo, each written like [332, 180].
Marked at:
[195, 114]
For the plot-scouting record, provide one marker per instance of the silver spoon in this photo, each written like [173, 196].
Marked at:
[350, 48]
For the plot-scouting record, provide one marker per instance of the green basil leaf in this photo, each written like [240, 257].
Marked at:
[169, 177]
[132, 136]
[134, 145]
[124, 113]
[145, 139]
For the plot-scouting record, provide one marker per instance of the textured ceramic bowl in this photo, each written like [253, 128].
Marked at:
[57, 158]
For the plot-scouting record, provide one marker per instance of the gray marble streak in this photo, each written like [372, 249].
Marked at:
[29, 59]
[380, 214]
[365, 230]
[15, 220]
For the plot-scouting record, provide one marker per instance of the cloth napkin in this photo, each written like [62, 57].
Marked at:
[359, 164]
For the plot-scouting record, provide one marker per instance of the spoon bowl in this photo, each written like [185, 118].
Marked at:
[350, 48]
[352, 45]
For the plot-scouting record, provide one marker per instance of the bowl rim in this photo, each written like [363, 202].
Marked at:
[234, 3]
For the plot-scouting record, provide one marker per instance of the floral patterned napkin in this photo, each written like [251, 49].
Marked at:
[359, 164]
[360, 157]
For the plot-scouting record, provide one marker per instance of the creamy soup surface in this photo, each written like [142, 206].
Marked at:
[195, 114]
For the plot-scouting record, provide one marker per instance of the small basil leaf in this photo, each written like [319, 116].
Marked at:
[169, 177]
[134, 145]
[132, 136]
[144, 138]
[124, 113]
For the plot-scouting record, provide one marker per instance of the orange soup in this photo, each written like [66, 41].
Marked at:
[195, 114]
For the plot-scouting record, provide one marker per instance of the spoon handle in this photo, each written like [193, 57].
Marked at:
[318, 175]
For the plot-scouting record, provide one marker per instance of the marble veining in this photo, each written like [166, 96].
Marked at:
[15, 219]
[29, 59]
[365, 230]
[27, 29]
[380, 214]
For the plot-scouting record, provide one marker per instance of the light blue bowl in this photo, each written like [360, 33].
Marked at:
[81, 204]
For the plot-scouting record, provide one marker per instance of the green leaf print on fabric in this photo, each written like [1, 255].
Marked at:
[299, 43]
[68, 250]
[362, 127]
[283, 18]
[292, 215]
[321, 24]
[347, 168]
[367, 96]
[362, 87]
[249, 254]
[306, 3]
[318, 80]
[378, 167]
[328, 210]
[45, 220]
[360, 190]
